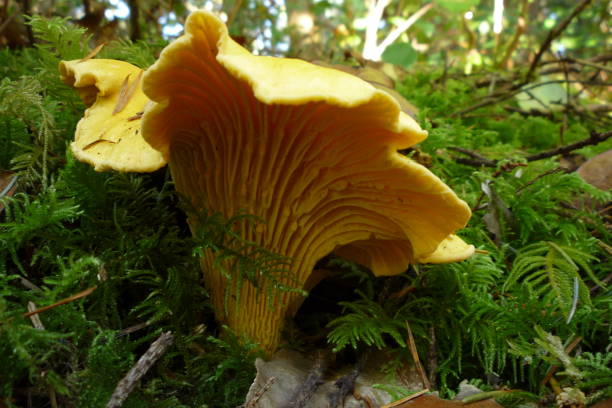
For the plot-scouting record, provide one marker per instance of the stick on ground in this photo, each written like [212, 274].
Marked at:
[144, 363]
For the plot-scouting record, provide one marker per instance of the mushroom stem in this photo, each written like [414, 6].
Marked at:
[250, 311]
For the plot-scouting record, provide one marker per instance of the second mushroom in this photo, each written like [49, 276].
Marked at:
[310, 151]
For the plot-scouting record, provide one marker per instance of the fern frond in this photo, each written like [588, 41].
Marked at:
[366, 322]
[547, 266]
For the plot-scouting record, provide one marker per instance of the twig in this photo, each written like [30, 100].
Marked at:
[28, 284]
[252, 403]
[366, 400]
[36, 322]
[514, 90]
[520, 30]
[144, 363]
[553, 369]
[587, 63]
[72, 298]
[233, 12]
[52, 397]
[405, 25]
[595, 138]
[9, 186]
[552, 34]
[479, 160]
[520, 190]
[133, 329]
[432, 357]
[415, 357]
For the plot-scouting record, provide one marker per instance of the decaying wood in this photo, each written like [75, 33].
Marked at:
[144, 363]
[36, 322]
[252, 403]
[346, 385]
[315, 378]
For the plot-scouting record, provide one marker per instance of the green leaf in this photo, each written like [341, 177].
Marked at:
[401, 54]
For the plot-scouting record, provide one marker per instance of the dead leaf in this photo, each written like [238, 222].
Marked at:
[598, 171]
[498, 214]
[8, 185]
[126, 92]
[603, 404]
[431, 401]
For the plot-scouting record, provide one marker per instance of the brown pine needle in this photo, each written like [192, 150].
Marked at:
[415, 357]
[93, 52]
[72, 298]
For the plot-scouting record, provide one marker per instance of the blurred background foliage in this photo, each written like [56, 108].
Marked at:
[515, 97]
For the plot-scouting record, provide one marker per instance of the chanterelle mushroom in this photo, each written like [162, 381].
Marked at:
[311, 151]
[108, 136]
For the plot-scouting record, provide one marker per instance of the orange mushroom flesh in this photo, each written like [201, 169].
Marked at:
[309, 150]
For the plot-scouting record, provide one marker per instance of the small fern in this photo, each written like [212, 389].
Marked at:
[597, 373]
[547, 266]
[366, 322]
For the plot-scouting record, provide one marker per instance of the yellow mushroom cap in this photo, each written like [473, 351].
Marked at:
[451, 249]
[108, 136]
[311, 151]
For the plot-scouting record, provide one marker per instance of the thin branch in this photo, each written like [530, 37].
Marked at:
[400, 29]
[144, 363]
[595, 138]
[36, 322]
[520, 30]
[375, 13]
[507, 94]
[233, 12]
[520, 190]
[479, 160]
[552, 34]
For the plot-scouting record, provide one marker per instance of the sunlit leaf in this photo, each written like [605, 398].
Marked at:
[401, 54]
